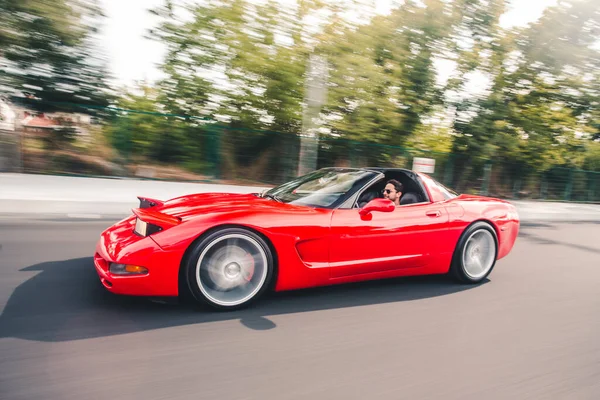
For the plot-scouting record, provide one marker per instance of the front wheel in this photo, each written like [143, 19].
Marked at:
[229, 269]
[475, 254]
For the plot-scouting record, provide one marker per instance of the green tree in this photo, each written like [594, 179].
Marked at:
[47, 53]
[536, 114]
[140, 130]
[383, 75]
[242, 64]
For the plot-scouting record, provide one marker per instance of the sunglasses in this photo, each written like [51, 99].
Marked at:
[388, 191]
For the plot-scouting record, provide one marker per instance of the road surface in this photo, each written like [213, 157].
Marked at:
[532, 331]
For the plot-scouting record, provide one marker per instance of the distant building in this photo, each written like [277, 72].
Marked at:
[39, 123]
[14, 117]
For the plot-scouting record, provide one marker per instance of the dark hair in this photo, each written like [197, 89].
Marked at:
[397, 185]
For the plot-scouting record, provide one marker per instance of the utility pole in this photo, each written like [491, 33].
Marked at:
[315, 94]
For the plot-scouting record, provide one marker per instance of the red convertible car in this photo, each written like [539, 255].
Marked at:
[331, 226]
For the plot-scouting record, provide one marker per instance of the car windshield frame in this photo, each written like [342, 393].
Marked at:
[446, 191]
[317, 188]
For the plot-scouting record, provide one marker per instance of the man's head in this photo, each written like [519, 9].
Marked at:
[393, 191]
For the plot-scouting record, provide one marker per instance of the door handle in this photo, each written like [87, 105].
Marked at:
[435, 213]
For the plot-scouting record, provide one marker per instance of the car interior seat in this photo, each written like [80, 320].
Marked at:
[366, 197]
[410, 198]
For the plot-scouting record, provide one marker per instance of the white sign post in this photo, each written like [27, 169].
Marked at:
[424, 165]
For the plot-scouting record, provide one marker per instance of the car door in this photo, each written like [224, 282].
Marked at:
[406, 237]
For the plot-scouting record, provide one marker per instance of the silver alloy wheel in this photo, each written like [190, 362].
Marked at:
[479, 253]
[231, 269]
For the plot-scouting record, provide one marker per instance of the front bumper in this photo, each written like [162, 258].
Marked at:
[118, 244]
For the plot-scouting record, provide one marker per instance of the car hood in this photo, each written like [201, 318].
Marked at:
[190, 206]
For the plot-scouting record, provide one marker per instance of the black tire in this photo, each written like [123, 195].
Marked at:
[463, 267]
[223, 287]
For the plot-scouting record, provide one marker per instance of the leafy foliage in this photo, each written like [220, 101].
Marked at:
[245, 65]
[539, 111]
[47, 53]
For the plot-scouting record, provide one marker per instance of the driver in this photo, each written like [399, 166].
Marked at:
[393, 191]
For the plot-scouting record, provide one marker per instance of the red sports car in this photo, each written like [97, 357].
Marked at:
[331, 226]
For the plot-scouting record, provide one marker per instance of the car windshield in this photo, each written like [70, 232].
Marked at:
[321, 188]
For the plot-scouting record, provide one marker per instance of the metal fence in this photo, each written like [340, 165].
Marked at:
[472, 174]
[162, 146]
[10, 151]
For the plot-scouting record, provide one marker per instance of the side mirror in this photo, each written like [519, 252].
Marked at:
[382, 205]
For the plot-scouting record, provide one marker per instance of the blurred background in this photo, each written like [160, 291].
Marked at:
[490, 97]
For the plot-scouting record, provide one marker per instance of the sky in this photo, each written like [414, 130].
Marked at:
[133, 57]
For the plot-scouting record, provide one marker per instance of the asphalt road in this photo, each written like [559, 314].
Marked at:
[532, 331]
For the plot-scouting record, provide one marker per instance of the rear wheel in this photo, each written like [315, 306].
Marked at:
[475, 254]
[229, 268]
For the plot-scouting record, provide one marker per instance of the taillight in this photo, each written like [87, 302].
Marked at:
[144, 229]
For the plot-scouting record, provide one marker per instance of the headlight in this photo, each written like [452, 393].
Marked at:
[123, 269]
